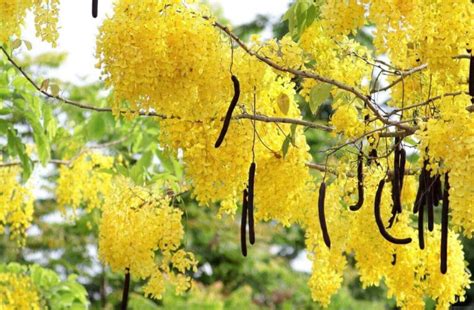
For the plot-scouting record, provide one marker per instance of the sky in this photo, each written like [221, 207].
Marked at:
[78, 31]
[77, 37]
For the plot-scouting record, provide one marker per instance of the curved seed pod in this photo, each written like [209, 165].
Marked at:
[444, 226]
[403, 160]
[243, 225]
[322, 217]
[230, 110]
[95, 5]
[360, 183]
[379, 221]
[250, 203]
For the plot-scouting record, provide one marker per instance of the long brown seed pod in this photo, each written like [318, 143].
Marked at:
[250, 203]
[322, 217]
[471, 78]
[379, 221]
[421, 237]
[403, 160]
[230, 110]
[243, 224]
[360, 183]
[95, 5]
[444, 226]
[397, 207]
[126, 289]
[420, 195]
[429, 201]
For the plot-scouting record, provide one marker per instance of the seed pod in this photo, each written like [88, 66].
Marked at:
[379, 221]
[360, 183]
[322, 218]
[126, 289]
[243, 225]
[421, 237]
[250, 203]
[230, 110]
[429, 201]
[444, 226]
[471, 78]
[95, 5]
[403, 159]
[420, 195]
[397, 207]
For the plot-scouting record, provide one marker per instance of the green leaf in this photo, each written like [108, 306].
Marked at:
[44, 85]
[96, 127]
[16, 44]
[283, 103]
[28, 44]
[54, 90]
[285, 146]
[16, 147]
[293, 135]
[49, 122]
[318, 95]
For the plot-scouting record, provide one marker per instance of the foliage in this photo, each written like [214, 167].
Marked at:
[138, 168]
[34, 287]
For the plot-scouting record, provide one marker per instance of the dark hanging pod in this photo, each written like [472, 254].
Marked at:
[250, 203]
[379, 221]
[360, 183]
[444, 227]
[95, 8]
[243, 224]
[230, 110]
[322, 217]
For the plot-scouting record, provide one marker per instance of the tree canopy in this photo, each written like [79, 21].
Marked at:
[349, 134]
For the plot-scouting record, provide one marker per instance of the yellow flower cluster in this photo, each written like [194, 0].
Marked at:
[13, 13]
[417, 31]
[135, 224]
[341, 18]
[83, 183]
[284, 52]
[346, 120]
[163, 56]
[449, 141]
[16, 204]
[18, 292]
[410, 274]
[46, 20]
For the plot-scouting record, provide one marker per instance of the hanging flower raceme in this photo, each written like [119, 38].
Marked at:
[13, 13]
[16, 204]
[82, 183]
[141, 234]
